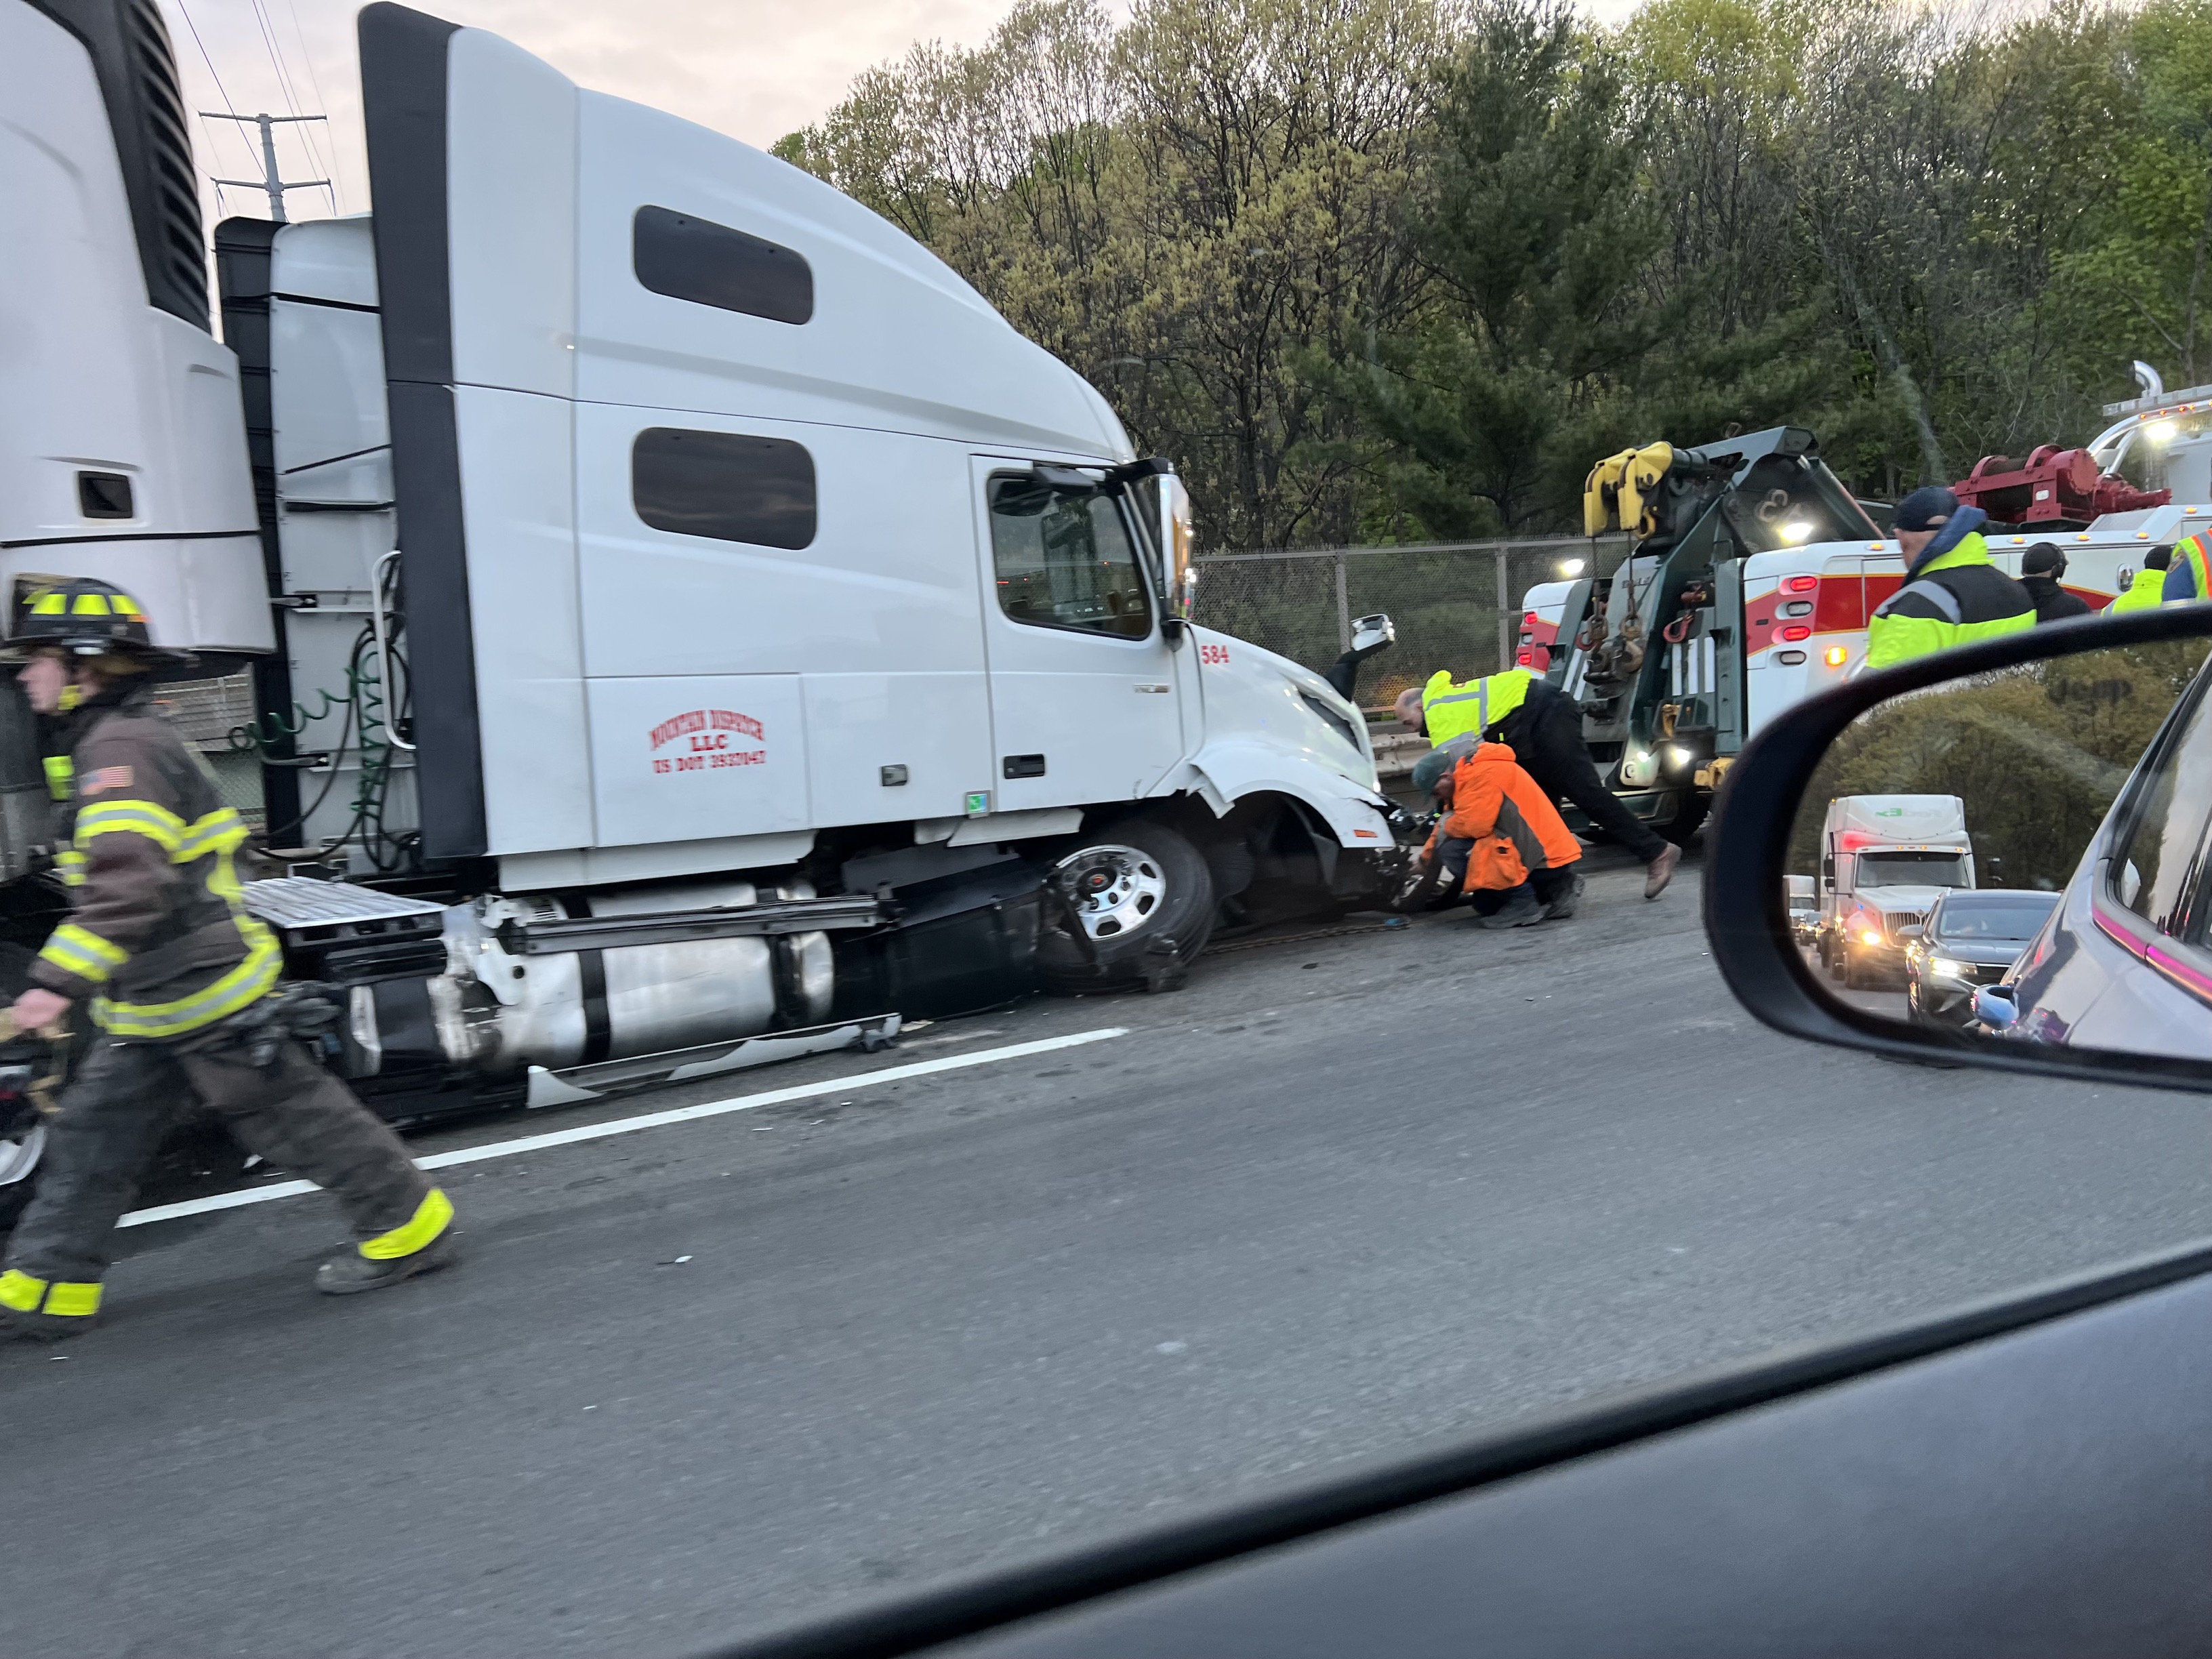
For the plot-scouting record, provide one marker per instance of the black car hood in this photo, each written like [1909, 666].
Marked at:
[1986, 952]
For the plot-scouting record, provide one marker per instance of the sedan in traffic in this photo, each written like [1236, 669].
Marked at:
[1970, 939]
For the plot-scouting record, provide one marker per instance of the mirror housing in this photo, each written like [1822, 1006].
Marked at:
[1748, 857]
[1995, 1008]
[1911, 931]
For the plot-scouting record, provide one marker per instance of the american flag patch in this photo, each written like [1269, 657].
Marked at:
[106, 778]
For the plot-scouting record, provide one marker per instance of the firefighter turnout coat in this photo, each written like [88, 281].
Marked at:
[158, 939]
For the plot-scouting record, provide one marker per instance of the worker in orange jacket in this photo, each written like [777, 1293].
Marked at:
[1502, 842]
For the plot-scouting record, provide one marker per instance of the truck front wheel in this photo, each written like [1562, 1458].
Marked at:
[1131, 888]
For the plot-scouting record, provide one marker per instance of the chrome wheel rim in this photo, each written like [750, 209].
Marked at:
[1116, 890]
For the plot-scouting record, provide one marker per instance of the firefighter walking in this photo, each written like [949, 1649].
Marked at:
[180, 979]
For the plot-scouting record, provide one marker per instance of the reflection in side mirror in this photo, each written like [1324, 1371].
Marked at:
[2004, 854]
[1177, 547]
[1994, 1007]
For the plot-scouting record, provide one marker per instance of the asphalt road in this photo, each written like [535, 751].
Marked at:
[1333, 1199]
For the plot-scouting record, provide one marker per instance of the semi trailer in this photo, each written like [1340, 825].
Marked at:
[685, 621]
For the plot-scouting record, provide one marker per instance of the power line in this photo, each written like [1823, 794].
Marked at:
[223, 91]
[315, 81]
[268, 27]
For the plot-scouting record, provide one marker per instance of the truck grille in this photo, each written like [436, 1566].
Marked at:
[1897, 919]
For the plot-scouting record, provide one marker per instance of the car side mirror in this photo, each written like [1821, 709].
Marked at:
[2072, 763]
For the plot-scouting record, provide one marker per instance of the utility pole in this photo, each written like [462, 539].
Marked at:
[271, 181]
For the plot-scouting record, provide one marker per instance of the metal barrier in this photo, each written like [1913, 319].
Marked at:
[1457, 605]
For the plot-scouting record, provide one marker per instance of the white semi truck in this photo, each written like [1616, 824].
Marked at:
[682, 611]
[1885, 860]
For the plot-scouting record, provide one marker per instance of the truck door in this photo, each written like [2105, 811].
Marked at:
[1085, 704]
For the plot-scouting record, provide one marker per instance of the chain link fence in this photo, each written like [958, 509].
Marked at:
[1457, 605]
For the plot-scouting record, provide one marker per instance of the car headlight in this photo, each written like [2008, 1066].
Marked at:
[1870, 936]
[1945, 967]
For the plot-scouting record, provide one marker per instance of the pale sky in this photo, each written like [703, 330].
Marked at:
[754, 68]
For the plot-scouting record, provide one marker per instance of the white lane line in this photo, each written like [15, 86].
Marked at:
[647, 1121]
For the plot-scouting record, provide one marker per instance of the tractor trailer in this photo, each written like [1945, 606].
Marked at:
[686, 622]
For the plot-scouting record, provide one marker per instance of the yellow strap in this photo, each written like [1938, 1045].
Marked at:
[61, 776]
[81, 952]
[431, 1217]
[252, 979]
[73, 1301]
[18, 1291]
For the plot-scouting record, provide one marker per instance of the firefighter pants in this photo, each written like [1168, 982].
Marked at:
[294, 1114]
[1552, 751]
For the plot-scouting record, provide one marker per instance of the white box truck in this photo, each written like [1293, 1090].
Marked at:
[682, 610]
[1885, 860]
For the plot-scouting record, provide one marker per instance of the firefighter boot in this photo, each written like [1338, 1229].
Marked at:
[423, 1245]
[1660, 872]
[42, 1326]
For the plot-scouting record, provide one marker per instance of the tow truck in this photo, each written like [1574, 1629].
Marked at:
[1753, 587]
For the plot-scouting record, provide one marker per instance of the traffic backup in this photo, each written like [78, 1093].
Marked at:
[681, 610]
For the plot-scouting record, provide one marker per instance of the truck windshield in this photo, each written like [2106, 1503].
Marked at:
[1913, 870]
[1785, 500]
[1063, 559]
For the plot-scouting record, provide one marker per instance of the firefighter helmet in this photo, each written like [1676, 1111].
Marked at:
[84, 617]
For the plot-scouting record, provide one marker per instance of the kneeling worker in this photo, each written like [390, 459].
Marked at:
[1543, 727]
[1501, 841]
[179, 978]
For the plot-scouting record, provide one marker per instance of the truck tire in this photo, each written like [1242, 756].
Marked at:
[1130, 887]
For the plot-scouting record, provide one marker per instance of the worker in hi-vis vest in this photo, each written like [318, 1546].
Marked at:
[1543, 727]
[1953, 595]
[2154, 584]
[2189, 572]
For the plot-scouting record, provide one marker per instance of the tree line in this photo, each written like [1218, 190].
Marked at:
[1400, 269]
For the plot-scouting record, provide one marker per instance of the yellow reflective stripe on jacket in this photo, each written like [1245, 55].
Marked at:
[71, 863]
[61, 776]
[431, 1216]
[221, 831]
[140, 817]
[244, 984]
[24, 1294]
[79, 951]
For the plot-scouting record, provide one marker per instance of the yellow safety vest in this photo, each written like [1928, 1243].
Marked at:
[2200, 566]
[1450, 710]
[2146, 593]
